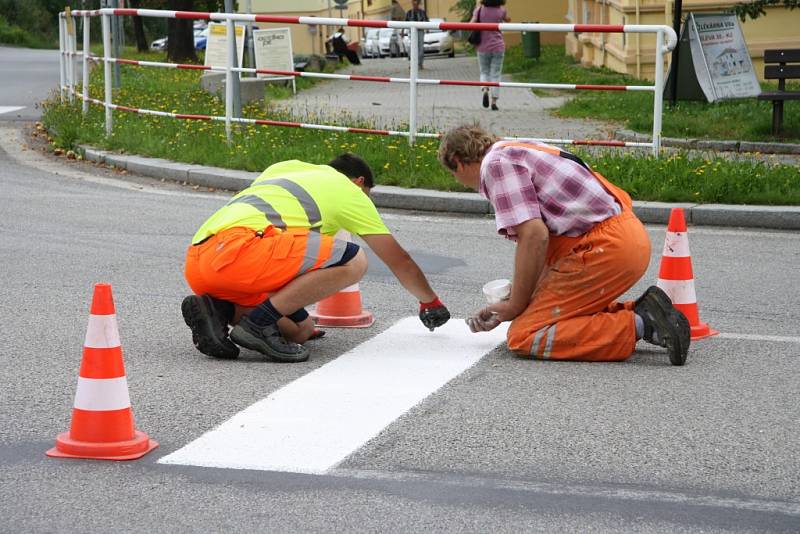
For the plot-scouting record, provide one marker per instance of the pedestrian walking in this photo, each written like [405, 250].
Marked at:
[579, 246]
[268, 253]
[491, 50]
[417, 14]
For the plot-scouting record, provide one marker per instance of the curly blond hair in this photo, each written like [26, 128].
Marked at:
[467, 143]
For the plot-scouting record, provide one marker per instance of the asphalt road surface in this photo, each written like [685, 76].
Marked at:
[28, 77]
[507, 445]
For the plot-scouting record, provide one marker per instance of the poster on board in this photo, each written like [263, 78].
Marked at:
[273, 50]
[217, 45]
[714, 61]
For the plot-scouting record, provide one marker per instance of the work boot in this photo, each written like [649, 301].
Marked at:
[209, 327]
[268, 341]
[664, 325]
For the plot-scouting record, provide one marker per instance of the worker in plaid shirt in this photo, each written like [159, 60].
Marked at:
[579, 246]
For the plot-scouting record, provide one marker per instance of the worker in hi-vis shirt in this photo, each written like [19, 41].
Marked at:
[269, 252]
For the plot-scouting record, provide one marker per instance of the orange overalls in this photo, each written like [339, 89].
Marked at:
[244, 266]
[573, 314]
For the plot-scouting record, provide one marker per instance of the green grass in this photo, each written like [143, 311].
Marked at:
[394, 161]
[743, 120]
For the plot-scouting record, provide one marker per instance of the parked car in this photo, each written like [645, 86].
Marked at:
[391, 43]
[436, 42]
[200, 39]
[439, 42]
[369, 43]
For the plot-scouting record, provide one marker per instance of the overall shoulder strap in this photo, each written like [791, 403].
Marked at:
[550, 150]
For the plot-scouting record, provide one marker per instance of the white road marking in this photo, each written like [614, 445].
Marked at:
[756, 337]
[315, 422]
[9, 109]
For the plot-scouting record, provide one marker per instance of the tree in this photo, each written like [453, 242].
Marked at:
[464, 9]
[756, 9]
[180, 34]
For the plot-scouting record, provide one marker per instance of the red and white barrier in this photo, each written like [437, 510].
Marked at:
[69, 54]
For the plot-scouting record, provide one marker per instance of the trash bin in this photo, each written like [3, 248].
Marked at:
[530, 44]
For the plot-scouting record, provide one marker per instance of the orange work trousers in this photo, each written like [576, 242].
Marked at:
[243, 266]
[573, 314]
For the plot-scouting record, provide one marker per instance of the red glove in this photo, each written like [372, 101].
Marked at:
[433, 314]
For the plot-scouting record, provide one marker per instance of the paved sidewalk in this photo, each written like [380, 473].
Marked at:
[439, 107]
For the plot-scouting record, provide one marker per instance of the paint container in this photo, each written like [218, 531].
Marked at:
[497, 290]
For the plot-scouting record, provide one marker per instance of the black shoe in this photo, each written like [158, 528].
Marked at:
[209, 327]
[494, 107]
[486, 99]
[664, 325]
[268, 341]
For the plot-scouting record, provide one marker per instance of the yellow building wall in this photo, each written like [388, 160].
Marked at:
[635, 53]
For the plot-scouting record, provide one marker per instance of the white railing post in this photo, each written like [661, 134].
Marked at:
[229, 77]
[106, 23]
[658, 100]
[86, 52]
[61, 63]
[412, 87]
[73, 57]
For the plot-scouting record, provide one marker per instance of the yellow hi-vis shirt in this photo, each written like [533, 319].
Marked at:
[294, 194]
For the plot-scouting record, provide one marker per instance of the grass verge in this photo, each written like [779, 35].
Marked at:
[676, 178]
[743, 119]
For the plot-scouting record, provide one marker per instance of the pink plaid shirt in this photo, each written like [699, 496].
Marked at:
[524, 184]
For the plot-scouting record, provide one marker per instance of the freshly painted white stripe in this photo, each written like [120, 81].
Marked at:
[676, 245]
[679, 291]
[315, 422]
[102, 332]
[757, 337]
[9, 109]
[102, 394]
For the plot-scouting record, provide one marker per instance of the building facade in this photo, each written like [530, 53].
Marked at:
[634, 54]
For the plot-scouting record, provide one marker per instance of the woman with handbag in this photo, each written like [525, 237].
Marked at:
[491, 48]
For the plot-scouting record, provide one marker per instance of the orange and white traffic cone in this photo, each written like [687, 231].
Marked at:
[343, 309]
[102, 420]
[676, 277]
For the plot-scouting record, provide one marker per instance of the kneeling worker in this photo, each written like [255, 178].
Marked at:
[270, 251]
[579, 246]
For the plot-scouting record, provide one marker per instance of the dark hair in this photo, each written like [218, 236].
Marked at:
[493, 3]
[353, 166]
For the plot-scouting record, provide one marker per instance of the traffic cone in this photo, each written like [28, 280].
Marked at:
[343, 309]
[676, 277]
[102, 419]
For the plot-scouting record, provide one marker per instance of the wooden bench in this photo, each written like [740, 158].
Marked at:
[780, 65]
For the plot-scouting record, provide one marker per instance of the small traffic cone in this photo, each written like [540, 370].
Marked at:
[343, 309]
[102, 419]
[676, 277]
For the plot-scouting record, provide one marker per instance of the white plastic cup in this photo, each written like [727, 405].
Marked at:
[497, 290]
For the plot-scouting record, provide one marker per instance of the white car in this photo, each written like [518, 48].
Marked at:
[369, 44]
[439, 42]
[200, 36]
[391, 42]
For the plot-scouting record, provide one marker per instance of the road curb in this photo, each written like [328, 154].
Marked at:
[741, 147]
[384, 196]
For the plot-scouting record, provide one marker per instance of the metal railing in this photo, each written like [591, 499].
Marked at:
[665, 41]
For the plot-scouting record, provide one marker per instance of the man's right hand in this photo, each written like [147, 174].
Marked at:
[433, 314]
